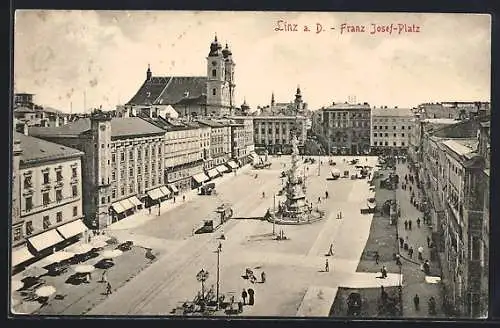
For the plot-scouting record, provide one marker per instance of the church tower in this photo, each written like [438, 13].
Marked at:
[298, 100]
[220, 79]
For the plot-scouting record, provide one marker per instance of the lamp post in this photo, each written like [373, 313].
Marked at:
[219, 249]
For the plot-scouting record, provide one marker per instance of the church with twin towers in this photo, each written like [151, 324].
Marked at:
[208, 95]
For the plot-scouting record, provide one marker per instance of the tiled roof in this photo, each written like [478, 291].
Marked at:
[133, 126]
[347, 106]
[170, 90]
[458, 147]
[391, 112]
[38, 150]
[74, 128]
[210, 123]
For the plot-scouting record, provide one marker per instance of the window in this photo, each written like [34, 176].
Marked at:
[29, 227]
[159, 150]
[18, 233]
[46, 177]
[131, 172]
[394, 127]
[46, 222]
[27, 183]
[374, 134]
[387, 134]
[109, 199]
[403, 127]
[394, 135]
[113, 158]
[122, 157]
[113, 175]
[74, 172]
[409, 127]
[159, 179]
[113, 193]
[131, 189]
[139, 154]
[75, 210]
[46, 198]
[476, 248]
[402, 143]
[139, 170]
[102, 146]
[394, 143]
[374, 127]
[386, 127]
[29, 203]
[374, 143]
[131, 155]
[74, 191]
[122, 191]
[59, 217]
[103, 200]
[213, 92]
[214, 73]
[402, 134]
[387, 143]
[59, 195]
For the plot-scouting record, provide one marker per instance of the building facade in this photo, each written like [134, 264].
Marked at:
[208, 95]
[344, 128]
[220, 142]
[248, 138]
[47, 198]
[391, 128]
[273, 133]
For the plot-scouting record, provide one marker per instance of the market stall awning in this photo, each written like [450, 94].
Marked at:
[134, 200]
[213, 173]
[45, 240]
[200, 177]
[165, 191]
[117, 207]
[232, 164]
[127, 204]
[71, 229]
[222, 168]
[21, 255]
[173, 188]
[155, 194]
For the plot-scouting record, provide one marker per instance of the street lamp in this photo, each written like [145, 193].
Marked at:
[219, 249]
[201, 277]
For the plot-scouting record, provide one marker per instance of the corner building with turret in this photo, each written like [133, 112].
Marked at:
[194, 96]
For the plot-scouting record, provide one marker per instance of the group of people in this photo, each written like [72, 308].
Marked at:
[404, 244]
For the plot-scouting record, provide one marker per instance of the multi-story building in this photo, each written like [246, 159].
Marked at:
[344, 128]
[390, 130]
[208, 95]
[46, 200]
[273, 133]
[455, 179]
[220, 142]
[454, 109]
[248, 142]
[27, 112]
[121, 167]
[292, 108]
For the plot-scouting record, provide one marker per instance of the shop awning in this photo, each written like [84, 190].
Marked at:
[213, 173]
[200, 177]
[71, 229]
[165, 191]
[134, 200]
[155, 194]
[222, 168]
[127, 204]
[173, 188]
[253, 155]
[21, 255]
[45, 240]
[117, 207]
[232, 164]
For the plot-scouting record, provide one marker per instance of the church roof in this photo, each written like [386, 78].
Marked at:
[169, 90]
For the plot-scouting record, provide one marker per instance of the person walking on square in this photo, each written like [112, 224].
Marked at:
[104, 278]
[244, 296]
[330, 251]
[183, 198]
[420, 253]
[149, 208]
[108, 289]
[263, 277]
[377, 257]
[428, 241]
[174, 200]
[401, 242]
[409, 225]
[327, 267]
[406, 224]
[418, 223]
[319, 199]
[384, 272]
[416, 302]
[410, 252]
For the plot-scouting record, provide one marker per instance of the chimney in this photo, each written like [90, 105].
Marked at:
[26, 129]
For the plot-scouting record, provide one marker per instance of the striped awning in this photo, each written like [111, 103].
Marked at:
[117, 207]
[71, 229]
[45, 240]
[222, 168]
[155, 194]
[21, 255]
[213, 173]
[200, 177]
[232, 164]
[134, 200]
[127, 204]
[173, 188]
[165, 191]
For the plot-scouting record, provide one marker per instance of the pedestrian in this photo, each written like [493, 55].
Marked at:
[384, 272]
[406, 224]
[330, 251]
[410, 252]
[319, 200]
[405, 246]
[420, 253]
[263, 277]
[410, 188]
[149, 208]
[398, 260]
[416, 302]
[377, 257]
[244, 296]
[418, 222]
[401, 242]
[104, 278]
[327, 268]
[427, 267]
[263, 195]
[250, 296]
[326, 194]
[409, 225]
[108, 288]
[183, 198]
[174, 200]
[428, 241]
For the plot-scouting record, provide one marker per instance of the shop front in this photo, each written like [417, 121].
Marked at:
[232, 165]
[222, 169]
[213, 173]
[199, 179]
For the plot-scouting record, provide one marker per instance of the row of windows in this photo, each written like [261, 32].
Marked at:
[355, 124]
[131, 187]
[47, 223]
[353, 115]
[387, 134]
[46, 200]
[386, 143]
[380, 127]
[387, 120]
[28, 183]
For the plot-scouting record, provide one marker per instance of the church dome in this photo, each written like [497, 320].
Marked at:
[215, 47]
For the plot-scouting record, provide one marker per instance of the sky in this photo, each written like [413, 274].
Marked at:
[62, 55]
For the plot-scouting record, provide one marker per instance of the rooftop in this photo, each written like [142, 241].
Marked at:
[392, 112]
[36, 150]
[440, 120]
[278, 117]
[347, 106]
[210, 123]
[462, 147]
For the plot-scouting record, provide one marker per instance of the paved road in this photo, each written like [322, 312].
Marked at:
[292, 266]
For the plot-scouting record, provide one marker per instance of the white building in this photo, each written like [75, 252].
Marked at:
[390, 129]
